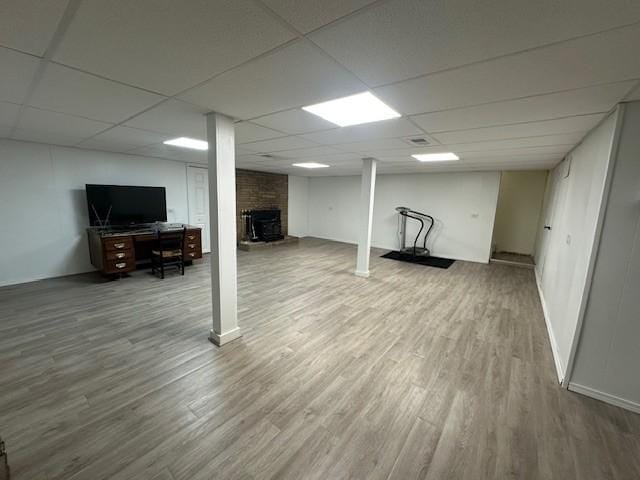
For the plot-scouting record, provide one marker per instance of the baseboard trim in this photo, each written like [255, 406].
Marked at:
[222, 339]
[605, 397]
[560, 370]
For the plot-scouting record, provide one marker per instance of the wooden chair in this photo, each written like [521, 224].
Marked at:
[168, 250]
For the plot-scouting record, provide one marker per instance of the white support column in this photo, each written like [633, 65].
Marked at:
[222, 208]
[367, 190]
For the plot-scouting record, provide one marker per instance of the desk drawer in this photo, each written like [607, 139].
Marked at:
[192, 246]
[121, 243]
[119, 255]
[117, 266]
[192, 255]
[193, 236]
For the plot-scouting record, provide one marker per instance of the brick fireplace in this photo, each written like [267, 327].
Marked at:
[261, 191]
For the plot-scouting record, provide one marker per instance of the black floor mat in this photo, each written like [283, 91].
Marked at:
[428, 261]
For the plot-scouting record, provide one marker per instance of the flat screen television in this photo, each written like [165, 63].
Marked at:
[125, 205]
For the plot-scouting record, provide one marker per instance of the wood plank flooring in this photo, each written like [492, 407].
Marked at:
[414, 373]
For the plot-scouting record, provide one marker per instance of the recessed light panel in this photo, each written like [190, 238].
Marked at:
[188, 143]
[310, 165]
[353, 110]
[436, 157]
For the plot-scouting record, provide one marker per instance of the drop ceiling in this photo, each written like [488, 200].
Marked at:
[508, 84]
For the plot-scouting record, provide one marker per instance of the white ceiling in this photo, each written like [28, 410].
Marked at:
[507, 84]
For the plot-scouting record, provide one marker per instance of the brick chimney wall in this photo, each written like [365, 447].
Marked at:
[258, 191]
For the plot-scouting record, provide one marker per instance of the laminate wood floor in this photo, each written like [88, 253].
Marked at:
[414, 373]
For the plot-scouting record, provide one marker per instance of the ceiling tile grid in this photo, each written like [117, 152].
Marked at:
[293, 76]
[17, 70]
[401, 39]
[167, 46]
[173, 117]
[69, 91]
[29, 25]
[570, 65]
[505, 81]
[46, 126]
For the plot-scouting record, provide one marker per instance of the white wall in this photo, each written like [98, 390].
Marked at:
[463, 205]
[565, 252]
[608, 355]
[298, 206]
[43, 209]
[518, 212]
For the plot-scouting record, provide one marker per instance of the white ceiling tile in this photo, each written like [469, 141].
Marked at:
[374, 145]
[175, 118]
[566, 139]
[634, 95]
[307, 15]
[29, 25]
[279, 144]
[578, 63]
[242, 151]
[310, 152]
[547, 127]
[104, 146]
[167, 46]
[294, 121]
[68, 91]
[248, 132]
[400, 39]
[17, 70]
[544, 145]
[125, 138]
[172, 153]
[8, 114]
[542, 107]
[399, 127]
[296, 75]
[57, 128]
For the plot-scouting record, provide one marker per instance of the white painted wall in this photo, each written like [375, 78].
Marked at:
[43, 209]
[564, 253]
[298, 206]
[463, 205]
[608, 355]
[518, 212]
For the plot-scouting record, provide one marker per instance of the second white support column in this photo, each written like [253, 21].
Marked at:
[367, 191]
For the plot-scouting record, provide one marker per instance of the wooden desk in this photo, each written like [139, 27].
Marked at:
[114, 252]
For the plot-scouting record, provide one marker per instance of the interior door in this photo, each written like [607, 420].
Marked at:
[555, 200]
[198, 190]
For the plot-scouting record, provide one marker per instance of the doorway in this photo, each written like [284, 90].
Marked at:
[198, 196]
[518, 214]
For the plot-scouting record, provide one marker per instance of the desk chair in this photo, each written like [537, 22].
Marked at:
[168, 250]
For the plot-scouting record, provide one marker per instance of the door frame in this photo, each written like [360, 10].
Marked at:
[186, 174]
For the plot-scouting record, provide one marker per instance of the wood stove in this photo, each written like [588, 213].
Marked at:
[264, 225]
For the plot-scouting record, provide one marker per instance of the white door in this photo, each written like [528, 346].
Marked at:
[198, 188]
[556, 194]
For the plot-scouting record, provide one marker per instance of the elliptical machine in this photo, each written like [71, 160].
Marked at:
[415, 251]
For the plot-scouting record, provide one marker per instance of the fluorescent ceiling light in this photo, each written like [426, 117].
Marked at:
[353, 110]
[436, 157]
[188, 143]
[310, 165]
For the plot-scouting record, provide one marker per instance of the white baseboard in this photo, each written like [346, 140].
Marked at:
[560, 369]
[605, 397]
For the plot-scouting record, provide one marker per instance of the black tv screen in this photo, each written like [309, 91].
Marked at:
[126, 205]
